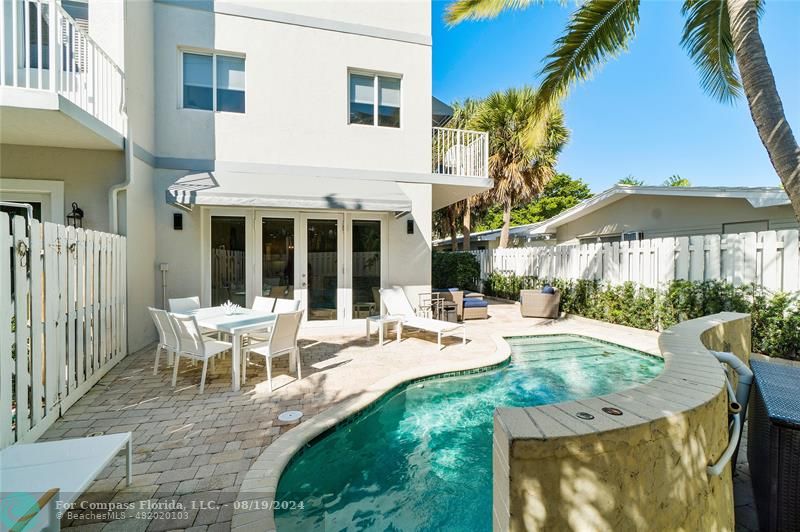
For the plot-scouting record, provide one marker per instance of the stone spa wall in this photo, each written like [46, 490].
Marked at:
[642, 470]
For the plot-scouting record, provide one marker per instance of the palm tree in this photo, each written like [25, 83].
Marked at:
[463, 116]
[519, 169]
[444, 223]
[630, 181]
[719, 36]
[677, 181]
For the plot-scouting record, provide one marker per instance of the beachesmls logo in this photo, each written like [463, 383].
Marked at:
[20, 507]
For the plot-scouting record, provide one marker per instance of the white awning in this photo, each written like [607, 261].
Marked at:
[246, 189]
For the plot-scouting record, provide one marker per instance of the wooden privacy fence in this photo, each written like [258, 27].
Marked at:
[62, 320]
[770, 259]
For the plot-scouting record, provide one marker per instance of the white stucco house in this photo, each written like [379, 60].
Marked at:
[637, 213]
[244, 148]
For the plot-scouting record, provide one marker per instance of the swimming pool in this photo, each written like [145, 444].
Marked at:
[421, 457]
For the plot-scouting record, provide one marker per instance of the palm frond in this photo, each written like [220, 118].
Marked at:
[462, 10]
[707, 39]
[597, 31]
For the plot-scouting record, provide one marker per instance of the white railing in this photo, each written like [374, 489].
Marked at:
[770, 259]
[76, 67]
[459, 152]
[62, 320]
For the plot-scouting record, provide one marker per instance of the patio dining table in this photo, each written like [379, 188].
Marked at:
[237, 325]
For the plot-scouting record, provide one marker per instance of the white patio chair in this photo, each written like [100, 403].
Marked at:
[286, 305]
[264, 304]
[184, 305]
[396, 303]
[282, 341]
[167, 339]
[192, 344]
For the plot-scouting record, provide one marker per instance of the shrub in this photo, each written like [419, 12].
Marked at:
[459, 270]
[776, 316]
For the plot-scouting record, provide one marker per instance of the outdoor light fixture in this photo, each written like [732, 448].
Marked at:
[75, 218]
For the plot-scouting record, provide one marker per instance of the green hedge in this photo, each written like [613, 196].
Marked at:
[776, 316]
[455, 270]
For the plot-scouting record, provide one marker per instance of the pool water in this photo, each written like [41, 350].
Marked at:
[421, 459]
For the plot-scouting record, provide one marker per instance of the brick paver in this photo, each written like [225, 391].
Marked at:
[196, 449]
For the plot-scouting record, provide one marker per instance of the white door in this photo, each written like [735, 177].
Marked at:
[321, 265]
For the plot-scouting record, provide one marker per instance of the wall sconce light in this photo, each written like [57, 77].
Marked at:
[75, 218]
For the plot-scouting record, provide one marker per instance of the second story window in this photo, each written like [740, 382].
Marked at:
[213, 82]
[374, 100]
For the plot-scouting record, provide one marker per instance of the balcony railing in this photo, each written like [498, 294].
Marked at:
[459, 152]
[75, 67]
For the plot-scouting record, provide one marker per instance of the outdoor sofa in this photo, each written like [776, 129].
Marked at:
[469, 305]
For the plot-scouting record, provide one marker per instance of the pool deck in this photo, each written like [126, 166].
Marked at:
[202, 448]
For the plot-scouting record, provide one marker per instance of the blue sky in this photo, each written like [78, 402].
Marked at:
[644, 113]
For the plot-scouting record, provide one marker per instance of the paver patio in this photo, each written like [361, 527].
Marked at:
[197, 448]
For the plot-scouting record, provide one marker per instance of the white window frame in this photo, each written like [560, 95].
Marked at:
[49, 193]
[375, 93]
[213, 54]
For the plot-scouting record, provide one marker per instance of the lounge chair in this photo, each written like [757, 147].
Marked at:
[61, 469]
[397, 304]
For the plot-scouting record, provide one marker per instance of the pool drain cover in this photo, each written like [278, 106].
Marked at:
[290, 416]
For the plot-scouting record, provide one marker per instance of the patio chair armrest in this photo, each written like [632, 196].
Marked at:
[255, 345]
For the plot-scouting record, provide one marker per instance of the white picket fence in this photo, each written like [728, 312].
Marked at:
[770, 259]
[63, 316]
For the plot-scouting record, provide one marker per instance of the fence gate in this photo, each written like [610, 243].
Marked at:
[62, 320]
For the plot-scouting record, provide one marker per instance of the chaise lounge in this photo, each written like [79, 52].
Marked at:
[397, 305]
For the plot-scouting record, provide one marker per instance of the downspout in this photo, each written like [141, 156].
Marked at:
[119, 187]
[114, 191]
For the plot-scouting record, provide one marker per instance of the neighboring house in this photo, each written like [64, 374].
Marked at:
[635, 213]
[281, 150]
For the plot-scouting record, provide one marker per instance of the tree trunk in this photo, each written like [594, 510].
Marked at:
[762, 97]
[451, 211]
[466, 224]
[506, 225]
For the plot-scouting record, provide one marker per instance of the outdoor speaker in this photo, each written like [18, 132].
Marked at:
[177, 221]
[410, 227]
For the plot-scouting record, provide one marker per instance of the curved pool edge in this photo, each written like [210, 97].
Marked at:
[547, 458]
[255, 501]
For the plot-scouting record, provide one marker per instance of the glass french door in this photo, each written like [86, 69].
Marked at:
[228, 260]
[366, 268]
[322, 266]
[276, 237]
[334, 263]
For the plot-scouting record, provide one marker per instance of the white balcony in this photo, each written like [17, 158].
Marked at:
[57, 86]
[460, 164]
[460, 153]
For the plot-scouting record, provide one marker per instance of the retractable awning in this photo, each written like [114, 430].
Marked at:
[246, 189]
